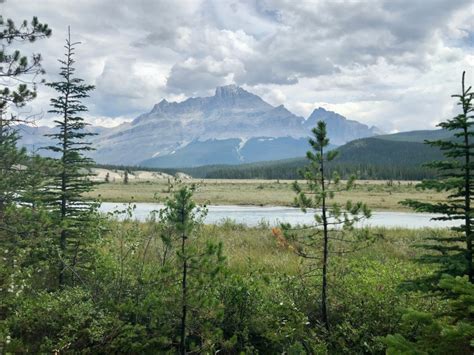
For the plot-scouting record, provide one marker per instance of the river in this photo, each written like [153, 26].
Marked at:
[273, 215]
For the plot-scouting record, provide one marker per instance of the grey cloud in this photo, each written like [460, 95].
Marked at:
[198, 76]
[139, 51]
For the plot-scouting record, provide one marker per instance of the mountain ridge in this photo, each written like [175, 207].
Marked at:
[232, 113]
[378, 157]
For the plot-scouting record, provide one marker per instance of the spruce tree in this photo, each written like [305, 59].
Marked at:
[36, 180]
[333, 229]
[453, 254]
[70, 180]
[452, 329]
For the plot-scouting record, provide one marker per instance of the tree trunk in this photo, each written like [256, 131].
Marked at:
[184, 290]
[467, 212]
[324, 308]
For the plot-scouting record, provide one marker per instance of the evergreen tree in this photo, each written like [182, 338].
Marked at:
[70, 180]
[452, 329]
[453, 254]
[450, 332]
[15, 69]
[182, 218]
[11, 166]
[334, 224]
[36, 180]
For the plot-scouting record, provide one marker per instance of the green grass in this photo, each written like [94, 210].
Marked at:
[250, 249]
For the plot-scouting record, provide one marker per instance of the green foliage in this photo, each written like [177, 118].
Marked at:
[369, 158]
[258, 303]
[453, 255]
[61, 321]
[198, 266]
[14, 91]
[35, 178]
[450, 331]
[14, 65]
[12, 162]
[70, 179]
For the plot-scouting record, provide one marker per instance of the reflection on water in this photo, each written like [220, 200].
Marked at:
[253, 215]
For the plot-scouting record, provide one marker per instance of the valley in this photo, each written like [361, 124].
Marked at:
[236, 177]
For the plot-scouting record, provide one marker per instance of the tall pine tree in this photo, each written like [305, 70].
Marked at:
[71, 179]
[453, 254]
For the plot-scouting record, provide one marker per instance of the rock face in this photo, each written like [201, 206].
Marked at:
[231, 113]
[340, 129]
[232, 126]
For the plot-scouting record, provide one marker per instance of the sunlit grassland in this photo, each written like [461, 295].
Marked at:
[379, 195]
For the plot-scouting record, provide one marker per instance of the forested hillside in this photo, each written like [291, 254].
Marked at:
[368, 158]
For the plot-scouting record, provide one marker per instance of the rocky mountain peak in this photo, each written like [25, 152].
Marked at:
[234, 96]
[340, 129]
[230, 91]
[322, 113]
[161, 105]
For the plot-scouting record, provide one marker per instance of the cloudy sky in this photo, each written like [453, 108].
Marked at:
[390, 63]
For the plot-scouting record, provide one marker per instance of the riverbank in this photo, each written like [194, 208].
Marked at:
[379, 195]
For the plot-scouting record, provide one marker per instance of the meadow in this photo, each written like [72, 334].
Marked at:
[379, 195]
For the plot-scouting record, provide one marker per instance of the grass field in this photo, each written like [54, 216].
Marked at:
[252, 249]
[379, 195]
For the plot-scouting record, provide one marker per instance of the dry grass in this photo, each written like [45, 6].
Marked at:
[379, 195]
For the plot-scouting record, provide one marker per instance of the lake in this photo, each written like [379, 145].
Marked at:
[273, 215]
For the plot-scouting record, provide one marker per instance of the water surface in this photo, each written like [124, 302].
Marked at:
[273, 215]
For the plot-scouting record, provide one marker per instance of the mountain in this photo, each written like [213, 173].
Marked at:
[33, 137]
[342, 129]
[232, 126]
[231, 151]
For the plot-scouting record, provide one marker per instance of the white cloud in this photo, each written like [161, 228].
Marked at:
[389, 63]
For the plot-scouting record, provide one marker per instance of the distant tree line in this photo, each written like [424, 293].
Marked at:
[289, 170]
